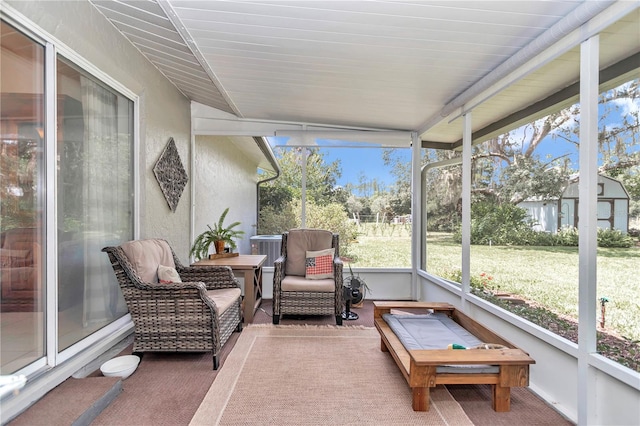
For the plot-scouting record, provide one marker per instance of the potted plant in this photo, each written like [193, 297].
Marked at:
[218, 235]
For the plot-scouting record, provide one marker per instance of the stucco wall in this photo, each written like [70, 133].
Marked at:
[164, 111]
[224, 177]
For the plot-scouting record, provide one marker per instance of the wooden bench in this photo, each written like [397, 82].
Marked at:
[419, 366]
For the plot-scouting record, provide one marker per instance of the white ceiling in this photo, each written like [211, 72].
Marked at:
[390, 65]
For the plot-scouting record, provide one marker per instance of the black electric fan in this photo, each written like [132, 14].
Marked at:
[353, 294]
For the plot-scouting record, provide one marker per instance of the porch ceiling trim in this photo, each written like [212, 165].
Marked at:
[565, 26]
[609, 78]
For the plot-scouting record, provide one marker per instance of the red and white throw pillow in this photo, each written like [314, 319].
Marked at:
[319, 264]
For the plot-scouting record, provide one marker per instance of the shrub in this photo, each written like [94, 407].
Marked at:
[611, 238]
[501, 224]
[567, 236]
[274, 221]
[507, 224]
[614, 238]
[332, 217]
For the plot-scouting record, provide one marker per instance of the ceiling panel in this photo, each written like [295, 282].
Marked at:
[147, 26]
[390, 65]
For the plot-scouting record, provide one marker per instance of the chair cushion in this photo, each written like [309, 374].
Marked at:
[167, 274]
[299, 241]
[146, 255]
[295, 283]
[20, 247]
[17, 258]
[319, 264]
[224, 297]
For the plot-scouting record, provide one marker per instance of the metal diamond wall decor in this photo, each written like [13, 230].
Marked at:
[171, 174]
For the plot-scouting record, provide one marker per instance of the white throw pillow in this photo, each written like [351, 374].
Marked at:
[168, 275]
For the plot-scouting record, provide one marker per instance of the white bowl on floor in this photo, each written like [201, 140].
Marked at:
[121, 366]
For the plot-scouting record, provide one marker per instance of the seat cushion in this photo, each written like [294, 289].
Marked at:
[21, 247]
[295, 283]
[15, 258]
[436, 331]
[224, 297]
[299, 241]
[146, 255]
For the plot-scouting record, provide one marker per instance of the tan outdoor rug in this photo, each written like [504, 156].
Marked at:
[316, 375]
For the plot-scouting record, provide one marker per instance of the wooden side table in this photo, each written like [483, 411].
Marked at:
[249, 266]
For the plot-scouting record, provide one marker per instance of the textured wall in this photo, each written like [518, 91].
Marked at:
[164, 111]
[223, 178]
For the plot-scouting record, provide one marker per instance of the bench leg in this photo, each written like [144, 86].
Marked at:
[383, 347]
[501, 398]
[420, 400]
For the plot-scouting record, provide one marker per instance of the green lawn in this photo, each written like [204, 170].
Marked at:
[545, 275]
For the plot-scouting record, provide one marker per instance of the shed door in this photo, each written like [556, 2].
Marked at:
[605, 214]
[568, 217]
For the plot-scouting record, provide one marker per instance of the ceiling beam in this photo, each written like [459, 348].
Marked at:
[437, 145]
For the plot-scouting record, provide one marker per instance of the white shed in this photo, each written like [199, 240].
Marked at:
[553, 214]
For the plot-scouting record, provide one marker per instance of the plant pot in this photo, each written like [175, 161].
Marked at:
[219, 246]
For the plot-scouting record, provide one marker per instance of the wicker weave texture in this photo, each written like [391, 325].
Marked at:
[303, 302]
[177, 317]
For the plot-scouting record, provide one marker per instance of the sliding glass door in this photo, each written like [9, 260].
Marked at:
[95, 200]
[22, 300]
[90, 159]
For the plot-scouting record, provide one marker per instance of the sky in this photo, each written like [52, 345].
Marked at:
[355, 161]
[367, 161]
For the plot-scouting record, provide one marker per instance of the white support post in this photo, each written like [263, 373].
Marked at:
[587, 225]
[303, 193]
[466, 208]
[416, 213]
[192, 190]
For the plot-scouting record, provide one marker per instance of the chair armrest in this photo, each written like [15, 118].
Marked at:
[186, 298]
[280, 260]
[172, 290]
[337, 263]
[213, 277]
[278, 273]
[338, 271]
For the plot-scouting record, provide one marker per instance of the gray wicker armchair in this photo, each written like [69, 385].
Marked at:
[293, 293]
[198, 314]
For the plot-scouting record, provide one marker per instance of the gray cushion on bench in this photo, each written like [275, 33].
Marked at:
[435, 331]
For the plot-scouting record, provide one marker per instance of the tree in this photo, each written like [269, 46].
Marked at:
[277, 197]
[519, 164]
[528, 177]
[510, 169]
[321, 178]
[443, 187]
[354, 206]
[400, 193]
